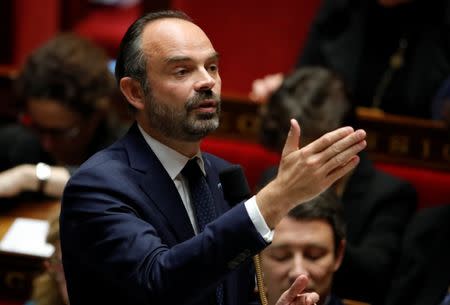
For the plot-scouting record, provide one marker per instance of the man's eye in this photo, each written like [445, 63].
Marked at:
[213, 68]
[181, 72]
[280, 256]
[315, 254]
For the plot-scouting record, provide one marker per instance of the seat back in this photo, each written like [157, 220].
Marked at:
[433, 187]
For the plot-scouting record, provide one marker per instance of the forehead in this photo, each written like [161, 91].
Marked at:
[49, 111]
[302, 232]
[171, 37]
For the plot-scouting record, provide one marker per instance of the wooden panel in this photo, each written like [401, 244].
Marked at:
[391, 138]
[406, 140]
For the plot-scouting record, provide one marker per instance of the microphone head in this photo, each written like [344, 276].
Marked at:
[234, 184]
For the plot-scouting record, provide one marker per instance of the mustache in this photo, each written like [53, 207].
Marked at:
[199, 97]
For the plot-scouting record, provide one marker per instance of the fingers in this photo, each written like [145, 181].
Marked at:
[295, 294]
[343, 170]
[293, 139]
[264, 87]
[307, 299]
[336, 148]
[340, 153]
[296, 288]
[329, 139]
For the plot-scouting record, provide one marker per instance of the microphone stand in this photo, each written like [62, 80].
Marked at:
[235, 189]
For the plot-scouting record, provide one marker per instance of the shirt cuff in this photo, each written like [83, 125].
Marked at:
[260, 224]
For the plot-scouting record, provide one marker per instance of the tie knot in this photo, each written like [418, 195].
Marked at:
[192, 170]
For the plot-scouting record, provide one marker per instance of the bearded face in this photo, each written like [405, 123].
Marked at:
[193, 121]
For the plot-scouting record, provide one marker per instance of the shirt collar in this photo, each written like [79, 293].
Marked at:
[172, 161]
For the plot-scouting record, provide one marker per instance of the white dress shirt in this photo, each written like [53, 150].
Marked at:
[173, 162]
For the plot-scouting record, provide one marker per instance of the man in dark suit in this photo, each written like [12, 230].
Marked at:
[393, 54]
[425, 265]
[130, 229]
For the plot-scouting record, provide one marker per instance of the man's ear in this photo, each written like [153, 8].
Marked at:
[340, 254]
[132, 90]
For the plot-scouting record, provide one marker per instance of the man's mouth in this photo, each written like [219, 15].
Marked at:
[207, 105]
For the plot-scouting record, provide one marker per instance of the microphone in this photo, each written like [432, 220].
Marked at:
[235, 189]
[234, 184]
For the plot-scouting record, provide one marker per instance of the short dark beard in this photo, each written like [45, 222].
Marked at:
[183, 125]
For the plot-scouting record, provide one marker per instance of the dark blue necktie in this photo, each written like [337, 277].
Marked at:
[203, 204]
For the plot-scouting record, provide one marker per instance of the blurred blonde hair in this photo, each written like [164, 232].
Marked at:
[45, 287]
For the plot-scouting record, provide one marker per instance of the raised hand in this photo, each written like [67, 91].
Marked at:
[263, 88]
[304, 173]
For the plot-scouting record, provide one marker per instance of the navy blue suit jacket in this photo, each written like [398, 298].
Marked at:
[126, 237]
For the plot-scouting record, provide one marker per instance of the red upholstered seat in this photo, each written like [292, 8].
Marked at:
[253, 38]
[107, 25]
[433, 187]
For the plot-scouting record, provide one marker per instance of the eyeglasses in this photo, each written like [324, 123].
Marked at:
[56, 133]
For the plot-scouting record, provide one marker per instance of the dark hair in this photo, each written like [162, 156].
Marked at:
[69, 70]
[327, 207]
[131, 60]
[314, 96]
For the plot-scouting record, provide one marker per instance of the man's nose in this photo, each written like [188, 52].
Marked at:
[298, 267]
[205, 81]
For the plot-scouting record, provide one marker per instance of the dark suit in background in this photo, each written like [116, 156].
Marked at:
[377, 207]
[357, 38]
[422, 277]
[122, 217]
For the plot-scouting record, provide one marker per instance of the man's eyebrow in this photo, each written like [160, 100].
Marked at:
[214, 56]
[180, 58]
[284, 245]
[279, 246]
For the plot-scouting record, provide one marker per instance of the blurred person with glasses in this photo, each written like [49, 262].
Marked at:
[64, 89]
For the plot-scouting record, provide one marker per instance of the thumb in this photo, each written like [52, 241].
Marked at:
[292, 140]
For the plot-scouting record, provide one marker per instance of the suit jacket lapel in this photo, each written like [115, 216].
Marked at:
[157, 184]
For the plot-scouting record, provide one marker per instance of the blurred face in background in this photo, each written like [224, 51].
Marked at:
[62, 132]
[301, 247]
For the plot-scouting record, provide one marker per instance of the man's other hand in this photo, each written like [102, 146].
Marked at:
[295, 295]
